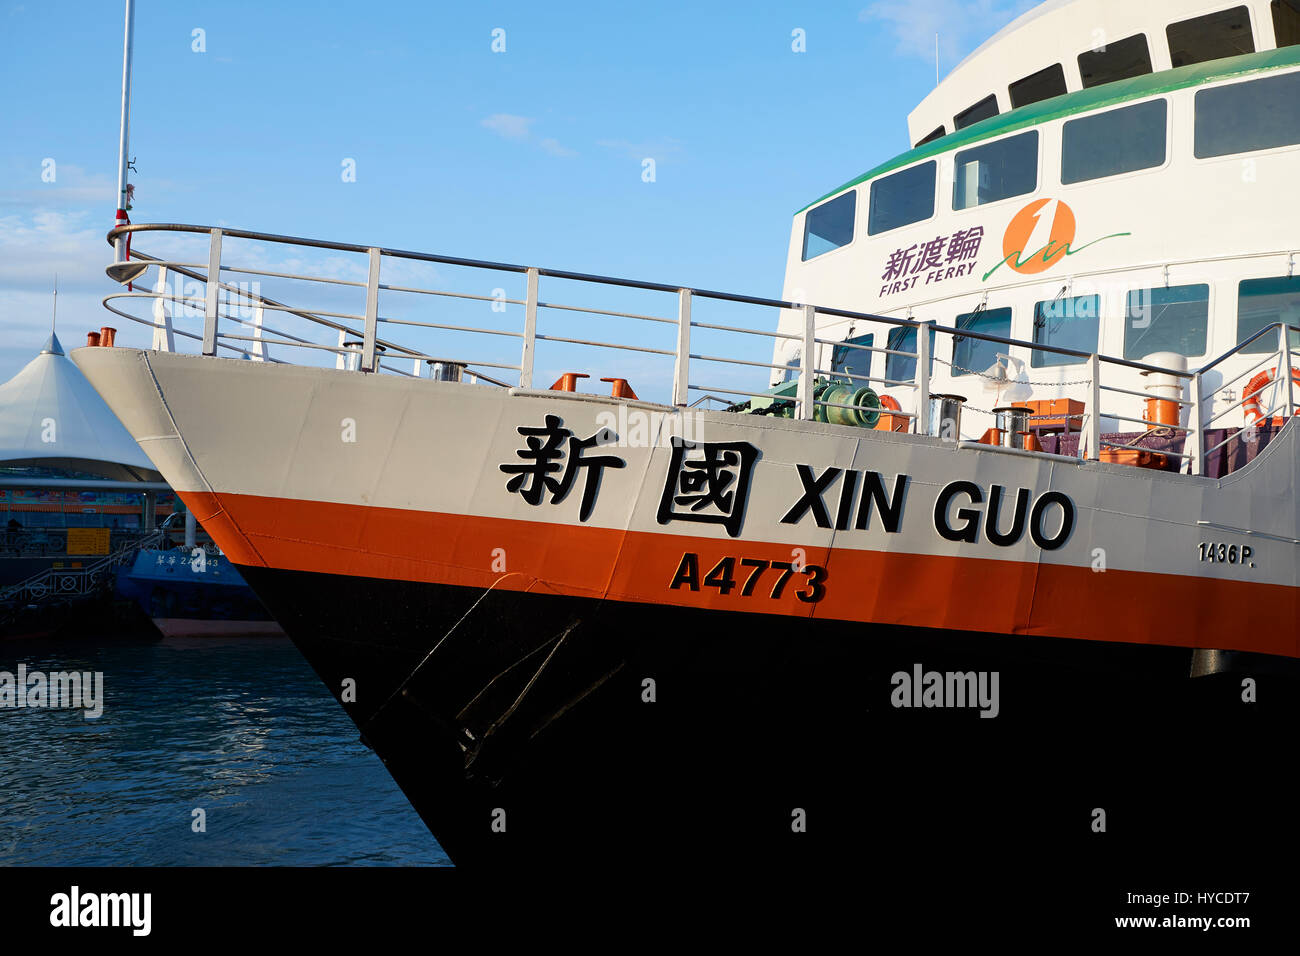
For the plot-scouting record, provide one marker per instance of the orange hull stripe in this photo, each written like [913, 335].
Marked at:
[1008, 597]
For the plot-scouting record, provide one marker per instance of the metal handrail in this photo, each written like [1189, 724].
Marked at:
[120, 231]
[369, 344]
[48, 582]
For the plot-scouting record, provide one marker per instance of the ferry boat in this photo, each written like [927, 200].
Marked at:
[1022, 449]
[189, 592]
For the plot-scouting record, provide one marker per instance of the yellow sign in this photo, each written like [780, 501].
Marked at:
[88, 540]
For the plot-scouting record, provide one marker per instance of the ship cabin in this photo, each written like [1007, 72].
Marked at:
[1100, 188]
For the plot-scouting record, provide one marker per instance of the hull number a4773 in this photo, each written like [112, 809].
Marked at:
[752, 577]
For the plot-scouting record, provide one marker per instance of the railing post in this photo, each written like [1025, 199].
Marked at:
[210, 302]
[1284, 347]
[923, 377]
[372, 315]
[1194, 446]
[681, 374]
[1094, 407]
[807, 410]
[530, 333]
[259, 347]
[164, 338]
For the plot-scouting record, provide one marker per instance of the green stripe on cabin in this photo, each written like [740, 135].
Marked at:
[1084, 101]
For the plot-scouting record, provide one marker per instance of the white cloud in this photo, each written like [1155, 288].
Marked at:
[71, 185]
[555, 149]
[34, 247]
[37, 245]
[961, 24]
[520, 129]
[508, 125]
[657, 150]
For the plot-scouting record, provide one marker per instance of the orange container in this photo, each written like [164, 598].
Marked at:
[1056, 406]
[1137, 457]
[893, 423]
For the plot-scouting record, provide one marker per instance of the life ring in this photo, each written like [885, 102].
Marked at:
[891, 403]
[1251, 403]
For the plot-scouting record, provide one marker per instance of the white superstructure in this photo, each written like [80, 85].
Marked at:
[1149, 214]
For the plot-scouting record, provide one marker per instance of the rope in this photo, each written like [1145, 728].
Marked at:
[400, 687]
[1006, 381]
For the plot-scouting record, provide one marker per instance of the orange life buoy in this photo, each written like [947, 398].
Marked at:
[1251, 403]
[891, 403]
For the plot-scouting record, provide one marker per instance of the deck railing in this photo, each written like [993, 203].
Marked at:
[227, 316]
[54, 583]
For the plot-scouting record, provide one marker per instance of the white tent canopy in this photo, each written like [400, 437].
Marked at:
[50, 416]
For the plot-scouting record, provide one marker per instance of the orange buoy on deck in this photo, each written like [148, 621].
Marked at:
[621, 389]
[568, 382]
[1251, 404]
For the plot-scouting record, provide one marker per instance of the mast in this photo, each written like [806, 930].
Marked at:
[124, 140]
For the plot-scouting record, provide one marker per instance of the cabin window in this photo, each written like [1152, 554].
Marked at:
[902, 198]
[1242, 117]
[1262, 302]
[1069, 322]
[1118, 141]
[1042, 85]
[973, 114]
[937, 133]
[902, 368]
[1286, 22]
[1115, 61]
[1166, 320]
[998, 170]
[973, 356]
[1215, 35]
[849, 361]
[829, 225]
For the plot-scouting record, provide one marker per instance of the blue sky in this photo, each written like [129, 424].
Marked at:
[533, 155]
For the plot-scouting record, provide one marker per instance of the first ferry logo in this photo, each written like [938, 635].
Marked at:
[1022, 249]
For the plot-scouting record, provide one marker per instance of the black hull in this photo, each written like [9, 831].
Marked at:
[533, 704]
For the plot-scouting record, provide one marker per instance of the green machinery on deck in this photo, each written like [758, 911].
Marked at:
[863, 410]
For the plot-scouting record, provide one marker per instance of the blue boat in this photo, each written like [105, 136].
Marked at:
[194, 593]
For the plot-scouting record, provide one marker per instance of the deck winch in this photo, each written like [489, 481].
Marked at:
[848, 404]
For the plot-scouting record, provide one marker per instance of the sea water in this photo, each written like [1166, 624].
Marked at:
[207, 752]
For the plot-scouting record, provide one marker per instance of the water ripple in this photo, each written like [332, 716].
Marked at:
[241, 728]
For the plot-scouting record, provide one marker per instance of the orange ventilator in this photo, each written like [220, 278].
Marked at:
[1251, 404]
[621, 389]
[106, 336]
[92, 339]
[568, 382]
[1162, 411]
